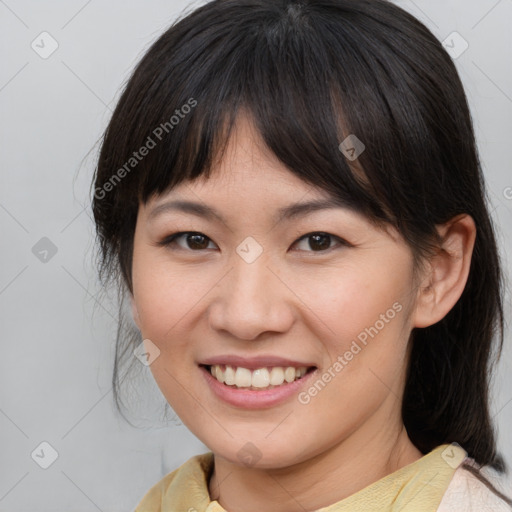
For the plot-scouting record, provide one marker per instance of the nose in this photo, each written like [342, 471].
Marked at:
[251, 300]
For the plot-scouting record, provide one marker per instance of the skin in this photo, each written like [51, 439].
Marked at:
[294, 301]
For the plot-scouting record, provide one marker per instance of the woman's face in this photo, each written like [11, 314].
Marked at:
[262, 298]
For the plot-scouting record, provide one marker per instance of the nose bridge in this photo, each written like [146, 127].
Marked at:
[251, 299]
[250, 279]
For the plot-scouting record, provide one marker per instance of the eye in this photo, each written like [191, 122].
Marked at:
[192, 240]
[319, 241]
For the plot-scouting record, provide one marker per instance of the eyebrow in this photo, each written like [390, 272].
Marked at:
[289, 212]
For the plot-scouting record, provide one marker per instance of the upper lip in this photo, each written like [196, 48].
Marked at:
[254, 362]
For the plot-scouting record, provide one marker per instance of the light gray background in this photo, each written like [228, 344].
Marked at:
[56, 354]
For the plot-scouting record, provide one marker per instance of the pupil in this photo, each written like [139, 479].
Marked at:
[321, 246]
[195, 241]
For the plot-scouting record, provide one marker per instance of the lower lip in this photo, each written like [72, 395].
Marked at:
[251, 399]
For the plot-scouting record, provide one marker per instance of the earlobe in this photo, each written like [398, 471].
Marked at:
[448, 271]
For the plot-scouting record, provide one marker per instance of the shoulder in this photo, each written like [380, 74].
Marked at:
[467, 492]
[152, 500]
[175, 487]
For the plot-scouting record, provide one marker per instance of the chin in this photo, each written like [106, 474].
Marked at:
[256, 453]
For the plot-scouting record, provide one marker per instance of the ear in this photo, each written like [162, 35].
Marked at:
[135, 313]
[444, 283]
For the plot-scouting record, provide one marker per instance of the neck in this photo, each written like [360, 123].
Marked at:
[317, 482]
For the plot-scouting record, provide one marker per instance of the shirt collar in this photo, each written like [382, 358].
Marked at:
[417, 487]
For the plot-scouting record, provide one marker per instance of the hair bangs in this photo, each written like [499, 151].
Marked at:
[286, 83]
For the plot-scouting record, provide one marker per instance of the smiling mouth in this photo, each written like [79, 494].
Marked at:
[238, 377]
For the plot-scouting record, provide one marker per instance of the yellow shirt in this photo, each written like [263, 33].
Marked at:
[417, 487]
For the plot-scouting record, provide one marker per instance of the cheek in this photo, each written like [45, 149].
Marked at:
[379, 338]
[359, 301]
[362, 318]
[365, 340]
[165, 294]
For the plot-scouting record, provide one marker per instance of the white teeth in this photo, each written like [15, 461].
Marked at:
[289, 374]
[259, 378]
[243, 378]
[229, 376]
[276, 376]
[219, 375]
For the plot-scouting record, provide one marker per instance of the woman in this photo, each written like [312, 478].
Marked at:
[289, 195]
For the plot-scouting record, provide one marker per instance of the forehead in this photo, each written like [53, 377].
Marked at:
[247, 167]
[246, 160]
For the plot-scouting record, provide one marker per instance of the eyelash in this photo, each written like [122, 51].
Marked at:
[170, 241]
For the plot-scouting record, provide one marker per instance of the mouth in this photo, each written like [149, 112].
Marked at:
[258, 379]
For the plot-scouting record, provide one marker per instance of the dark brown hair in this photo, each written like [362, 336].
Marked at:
[310, 73]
